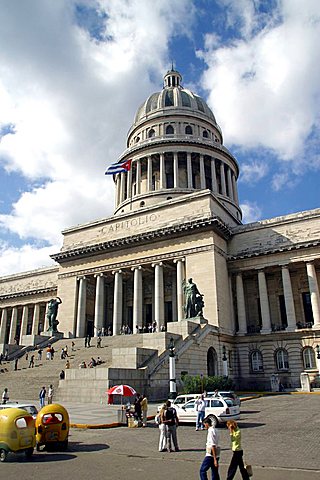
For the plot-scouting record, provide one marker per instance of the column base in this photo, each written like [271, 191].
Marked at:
[265, 331]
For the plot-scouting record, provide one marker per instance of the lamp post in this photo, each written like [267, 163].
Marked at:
[224, 361]
[318, 352]
[172, 370]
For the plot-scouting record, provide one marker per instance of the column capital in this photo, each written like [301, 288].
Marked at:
[116, 271]
[176, 260]
[160, 264]
[82, 277]
[98, 275]
[136, 267]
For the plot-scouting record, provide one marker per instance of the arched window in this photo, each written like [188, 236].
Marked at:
[282, 359]
[205, 134]
[169, 130]
[188, 130]
[151, 133]
[212, 362]
[256, 361]
[309, 358]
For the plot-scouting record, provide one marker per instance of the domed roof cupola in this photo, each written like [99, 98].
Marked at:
[175, 148]
[172, 79]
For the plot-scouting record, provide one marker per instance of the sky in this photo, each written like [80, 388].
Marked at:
[74, 72]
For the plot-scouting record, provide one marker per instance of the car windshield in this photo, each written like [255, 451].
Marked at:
[30, 409]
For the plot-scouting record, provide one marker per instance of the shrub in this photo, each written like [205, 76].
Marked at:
[198, 384]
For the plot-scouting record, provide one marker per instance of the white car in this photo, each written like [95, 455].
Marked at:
[226, 394]
[28, 407]
[220, 410]
[181, 399]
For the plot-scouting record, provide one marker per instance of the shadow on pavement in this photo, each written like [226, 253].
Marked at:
[82, 447]
[41, 458]
[250, 411]
[251, 424]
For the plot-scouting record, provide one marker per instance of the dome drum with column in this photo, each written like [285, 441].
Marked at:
[176, 149]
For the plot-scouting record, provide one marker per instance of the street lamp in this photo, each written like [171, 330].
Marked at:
[172, 370]
[318, 352]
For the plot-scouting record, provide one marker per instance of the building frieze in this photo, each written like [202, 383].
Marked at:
[25, 293]
[145, 237]
[269, 251]
[144, 262]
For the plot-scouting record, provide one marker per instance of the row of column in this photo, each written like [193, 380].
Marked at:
[288, 297]
[13, 321]
[228, 180]
[137, 298]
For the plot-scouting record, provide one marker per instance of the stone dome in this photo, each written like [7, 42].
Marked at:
[173, 95]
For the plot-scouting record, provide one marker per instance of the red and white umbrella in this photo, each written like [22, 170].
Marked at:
[124, 390]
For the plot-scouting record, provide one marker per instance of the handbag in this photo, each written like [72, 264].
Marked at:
[249, 470]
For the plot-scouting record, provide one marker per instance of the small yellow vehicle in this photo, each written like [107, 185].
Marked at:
[52, 427]
[17, 432]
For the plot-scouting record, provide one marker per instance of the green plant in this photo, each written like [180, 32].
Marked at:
[198, 384]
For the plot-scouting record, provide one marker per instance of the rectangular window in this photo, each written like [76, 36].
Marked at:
[307, 307]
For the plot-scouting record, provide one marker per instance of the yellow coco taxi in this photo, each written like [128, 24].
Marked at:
[17, 432]
[52, 427]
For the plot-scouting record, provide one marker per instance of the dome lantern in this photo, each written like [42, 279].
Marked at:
[172, 79]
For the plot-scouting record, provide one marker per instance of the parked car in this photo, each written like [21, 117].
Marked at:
[28, 407]
[182, 399]
[17, 432]
[219, 409]
[226, 394]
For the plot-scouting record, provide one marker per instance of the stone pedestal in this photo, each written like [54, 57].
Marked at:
[305, 382]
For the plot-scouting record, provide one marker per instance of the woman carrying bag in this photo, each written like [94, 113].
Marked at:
[237, 457]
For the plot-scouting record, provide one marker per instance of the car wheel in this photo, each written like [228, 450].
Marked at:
[3, 455]
[29, 452]
[214, 420]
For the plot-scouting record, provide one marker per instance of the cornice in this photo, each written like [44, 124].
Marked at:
[269, 251]
[145, 237]
[27, 293]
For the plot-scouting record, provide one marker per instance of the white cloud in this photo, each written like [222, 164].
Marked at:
[72, 100]
[251, 212]
[28, 257]
[253, 172]
[263, 87]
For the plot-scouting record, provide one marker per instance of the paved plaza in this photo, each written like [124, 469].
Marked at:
[280, 439]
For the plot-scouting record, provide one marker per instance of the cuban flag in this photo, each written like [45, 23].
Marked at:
[118, 167]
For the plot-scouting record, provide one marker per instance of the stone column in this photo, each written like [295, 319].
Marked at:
[117, 302]
[138, 176]
[24, 323]
[223, 179]
[230, 186]
[264, 303]
[288, 299]
[99, 304]
[3, 326]
[214, 175]
[162, 172]
[314, 294]
[180, 297]
[189, 170]
[241, 306]
[122, 186]
[137, 297]
[175, 170]
[233, 324]
[13, 325]
[235, 189]
[149, 174]
[36, 319]
[129, 183]
[158, 294]
[202, 173]
[82, 304]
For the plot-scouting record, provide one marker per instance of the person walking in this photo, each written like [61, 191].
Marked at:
[42, 396]
[237, 457]
[5, 396]
[50, 394]
[200, 405]
[162, 429]
[31, 362]
[171, 420]
[211, 460]
[144, 410]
